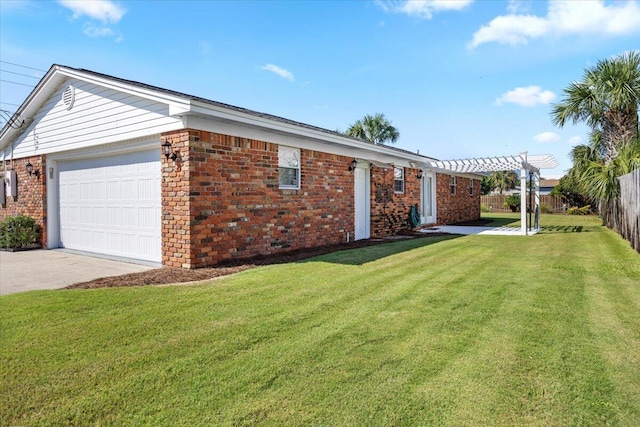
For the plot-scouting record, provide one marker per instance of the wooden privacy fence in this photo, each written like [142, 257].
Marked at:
[623, 214]
[495, 203]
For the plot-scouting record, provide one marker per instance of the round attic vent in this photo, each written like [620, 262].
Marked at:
[69, 96]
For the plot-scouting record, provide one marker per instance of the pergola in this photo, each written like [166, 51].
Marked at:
[525, 164]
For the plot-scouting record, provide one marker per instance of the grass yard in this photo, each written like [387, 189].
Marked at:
[448, 331]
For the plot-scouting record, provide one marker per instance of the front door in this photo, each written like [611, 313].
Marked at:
[428, 214]
[362, 203]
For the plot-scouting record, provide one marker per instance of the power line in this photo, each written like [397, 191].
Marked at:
[16, 83]
[23, 66]
[9, 103]
[19, 74]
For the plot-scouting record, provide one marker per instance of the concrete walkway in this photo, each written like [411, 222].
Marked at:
[466, 230]
[54, 269]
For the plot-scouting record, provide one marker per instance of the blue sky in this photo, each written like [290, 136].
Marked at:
[458, 79]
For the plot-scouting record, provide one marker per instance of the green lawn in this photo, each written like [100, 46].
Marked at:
[456, 331]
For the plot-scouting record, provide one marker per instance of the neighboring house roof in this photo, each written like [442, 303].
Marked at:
[182, 104]
[549, 182]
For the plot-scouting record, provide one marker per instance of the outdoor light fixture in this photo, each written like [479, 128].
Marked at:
[354, 164]
[30, 170]
[166, 147]
[419, 176]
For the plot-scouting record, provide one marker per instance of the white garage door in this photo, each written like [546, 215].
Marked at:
[111, 205]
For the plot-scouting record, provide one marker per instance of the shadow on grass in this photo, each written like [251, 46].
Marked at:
[367, 254]
[554, 229]
[492, 221]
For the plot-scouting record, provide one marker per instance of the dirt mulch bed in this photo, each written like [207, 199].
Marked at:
[166, 275]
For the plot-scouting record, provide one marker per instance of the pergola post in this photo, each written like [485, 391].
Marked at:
[523, 195]
[536, 211]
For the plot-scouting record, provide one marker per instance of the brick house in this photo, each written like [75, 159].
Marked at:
[128, 170]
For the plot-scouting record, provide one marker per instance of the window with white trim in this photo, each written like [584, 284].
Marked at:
[289, 167]
[471, 187]
[398, 180]
[453, 184]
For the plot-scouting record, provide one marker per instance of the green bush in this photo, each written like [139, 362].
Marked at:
[585, 210]
[512, 202]
[545, 209]
[484, 208]
[18, 232]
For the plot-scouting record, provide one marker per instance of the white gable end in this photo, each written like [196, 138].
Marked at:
[83, 114]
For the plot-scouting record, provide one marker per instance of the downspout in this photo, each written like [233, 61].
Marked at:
[523, 194]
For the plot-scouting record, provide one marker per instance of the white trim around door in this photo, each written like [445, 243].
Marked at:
[428, 198]
[362, 202]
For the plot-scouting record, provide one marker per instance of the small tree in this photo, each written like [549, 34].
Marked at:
[486, 185]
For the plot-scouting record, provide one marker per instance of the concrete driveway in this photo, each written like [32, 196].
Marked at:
[54, 269]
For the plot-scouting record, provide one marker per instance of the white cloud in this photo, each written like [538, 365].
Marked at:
[546, 137]
[528, 96]
[279, 71]
[563, 18]
[93, 31]
[105, 11]
[423, 8]
[518, 6]
[575, 140]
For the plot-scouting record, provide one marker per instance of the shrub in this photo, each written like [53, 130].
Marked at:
[18, 232]
[545, 209]
[585, 210]
[484, 208]
[512, 202]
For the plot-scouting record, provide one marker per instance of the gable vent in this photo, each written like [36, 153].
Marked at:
[69, 96]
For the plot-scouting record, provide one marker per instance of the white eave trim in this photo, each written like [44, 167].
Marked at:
[227, 114]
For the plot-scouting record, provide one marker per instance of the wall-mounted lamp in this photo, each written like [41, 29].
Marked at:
[166, 148]
[419, 175]
[30, 170]
[354, 164]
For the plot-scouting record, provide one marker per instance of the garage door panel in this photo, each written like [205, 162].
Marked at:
[111, 205]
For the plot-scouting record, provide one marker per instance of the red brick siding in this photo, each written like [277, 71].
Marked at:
[221, 200]
[390, 210]
[176, 233]
[459, 207]
[32, 191]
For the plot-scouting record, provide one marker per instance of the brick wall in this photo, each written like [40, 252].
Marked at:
[234, 208]
[177, 248]
[390, 210]
[459, 207]
[32, 189]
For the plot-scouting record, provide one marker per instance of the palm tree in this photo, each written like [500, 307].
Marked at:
[505, 180]
[598, 179]
[376, 129]
[606, 99]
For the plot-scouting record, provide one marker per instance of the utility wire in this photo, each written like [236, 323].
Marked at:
[23, 66]
[9, 103]
[16, 83]
[19, 74]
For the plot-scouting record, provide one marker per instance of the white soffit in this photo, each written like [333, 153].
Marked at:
[495, 164]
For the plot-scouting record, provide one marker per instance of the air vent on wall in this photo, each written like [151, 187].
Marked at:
[69, 96]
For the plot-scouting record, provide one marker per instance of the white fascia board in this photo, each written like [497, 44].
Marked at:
[294, 136]
[38, 96]
[218, 112]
